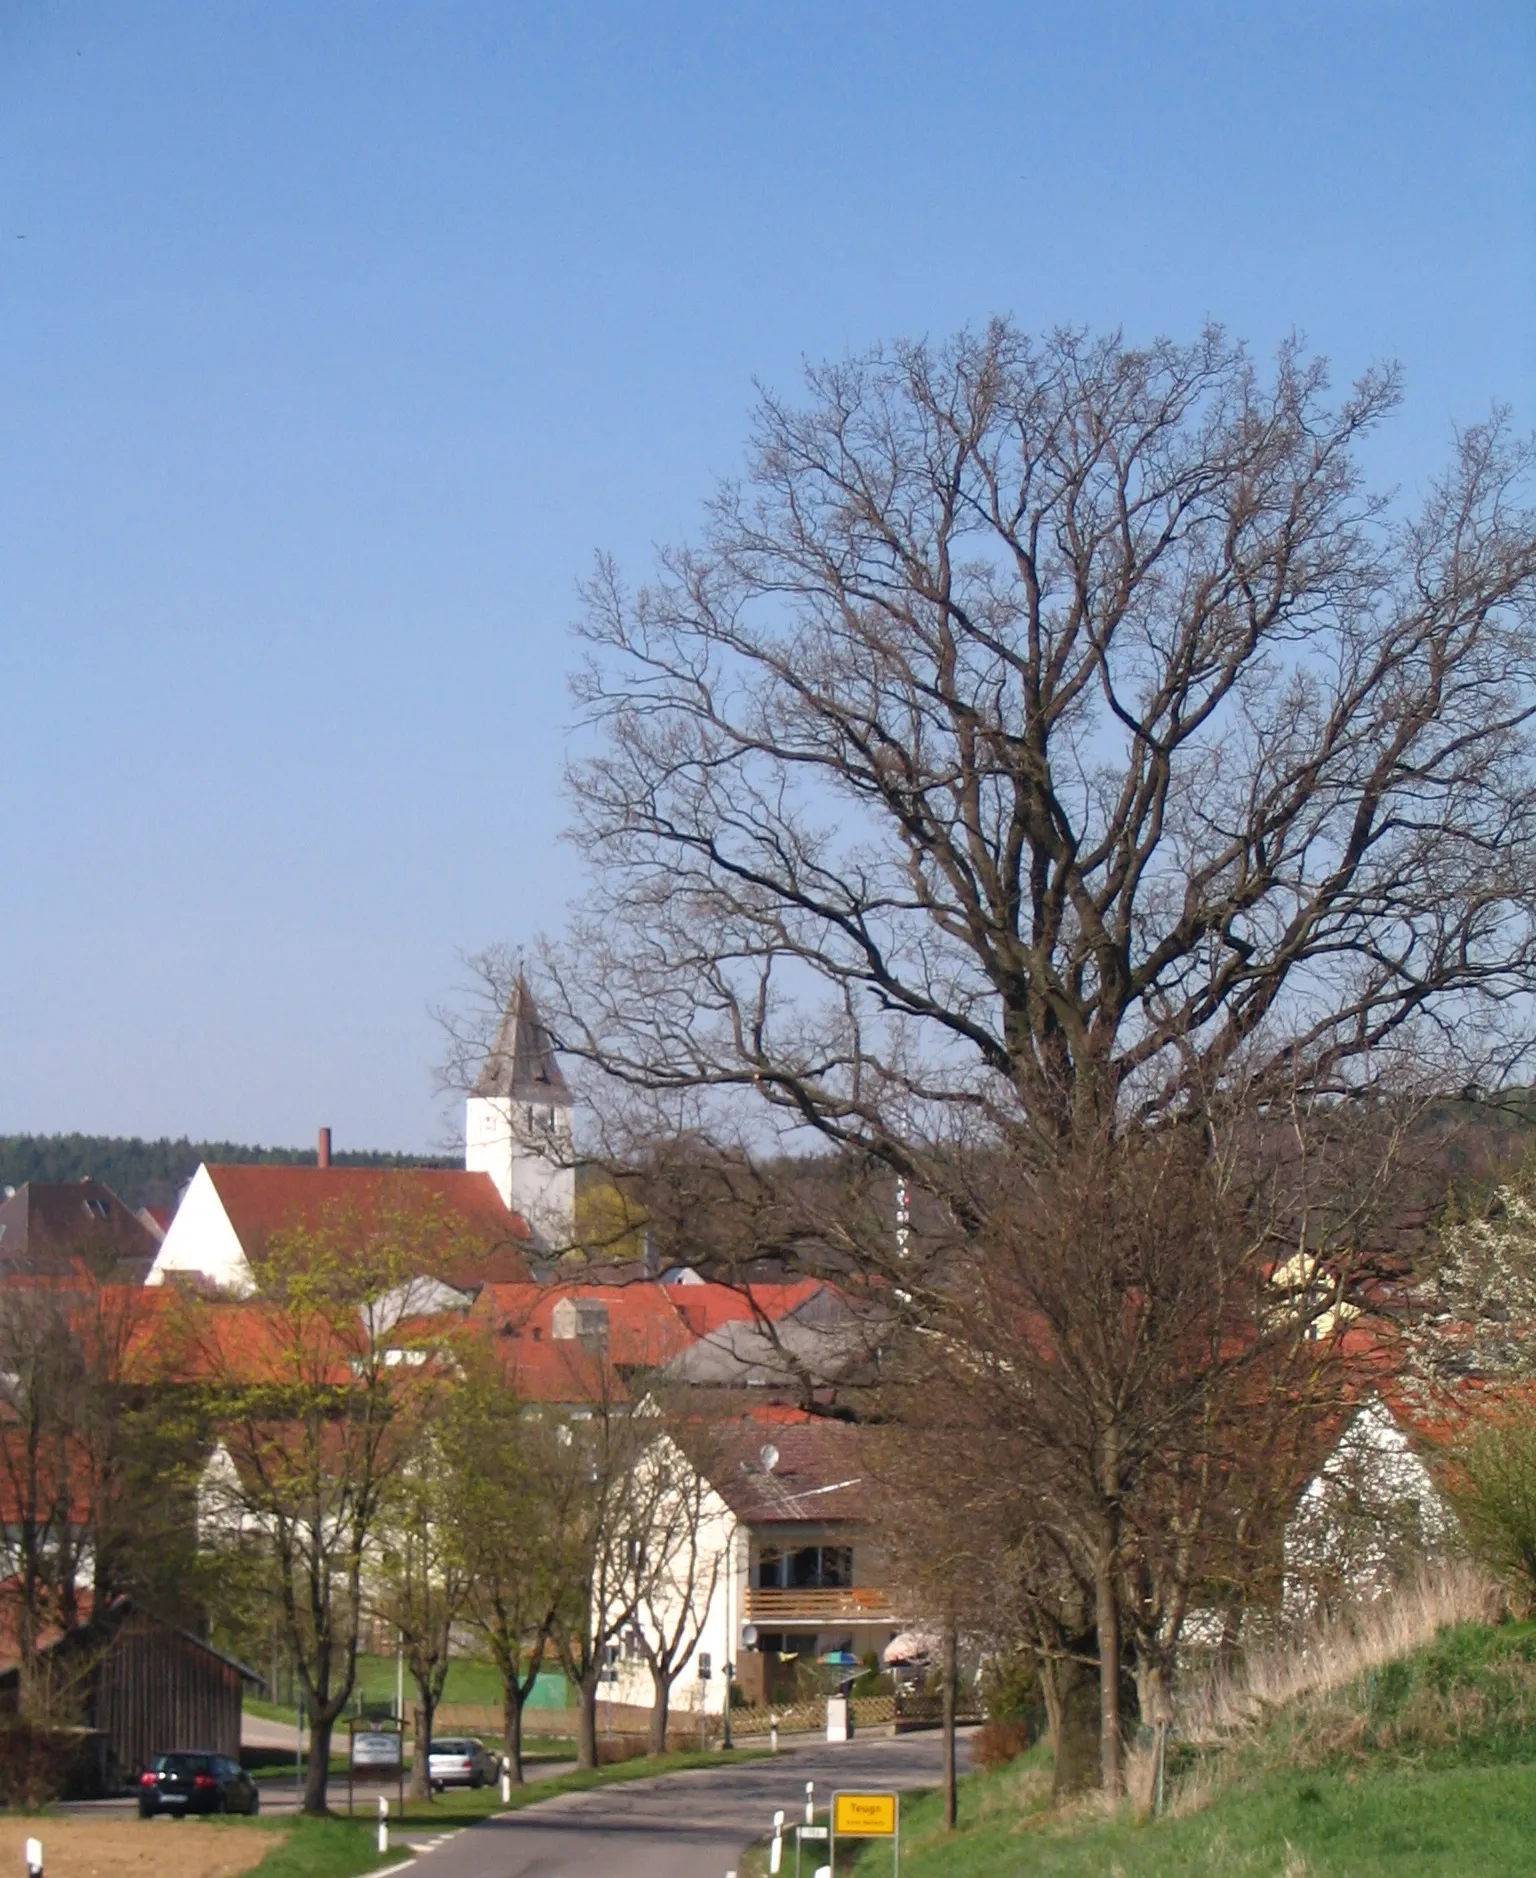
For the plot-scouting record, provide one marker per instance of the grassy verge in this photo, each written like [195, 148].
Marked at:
[1409, 1823]
[1423, 1767]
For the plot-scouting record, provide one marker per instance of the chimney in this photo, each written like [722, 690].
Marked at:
[323, 1151]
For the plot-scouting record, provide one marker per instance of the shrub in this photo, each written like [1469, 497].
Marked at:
[36, 1764]
[1009, 1687]
[996, 1743]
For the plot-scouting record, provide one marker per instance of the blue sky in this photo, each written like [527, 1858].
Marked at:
[336, 338]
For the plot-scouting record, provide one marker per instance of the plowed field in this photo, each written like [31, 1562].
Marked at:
[135, 1848]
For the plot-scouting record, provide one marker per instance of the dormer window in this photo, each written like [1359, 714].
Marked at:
[98, 1209]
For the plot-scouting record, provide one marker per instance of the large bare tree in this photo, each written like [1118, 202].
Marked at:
[1059, 724]
[1046, 739]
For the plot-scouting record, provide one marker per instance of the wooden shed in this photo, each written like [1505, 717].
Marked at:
[148, 1686]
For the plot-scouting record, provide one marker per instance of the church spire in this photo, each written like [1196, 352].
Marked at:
[518, 1124]
[520, 1064]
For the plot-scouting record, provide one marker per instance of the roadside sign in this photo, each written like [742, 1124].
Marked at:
[864, 1815]
[376, 1748]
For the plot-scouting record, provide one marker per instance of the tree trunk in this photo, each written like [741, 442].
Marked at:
[660, 1702]
[512, 1727]
[1107, 1627]
[1073, 1705]
[422, 1711]
[586, 1722]
[951, 1678]
[318, 1773]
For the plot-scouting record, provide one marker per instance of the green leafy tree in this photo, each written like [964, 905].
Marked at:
[320, 1395]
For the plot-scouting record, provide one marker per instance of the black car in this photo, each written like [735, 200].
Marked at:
[196, 1783]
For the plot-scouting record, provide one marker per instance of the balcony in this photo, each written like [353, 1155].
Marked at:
[870, 1604]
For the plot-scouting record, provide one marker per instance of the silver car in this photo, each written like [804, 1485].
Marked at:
[461, 1761]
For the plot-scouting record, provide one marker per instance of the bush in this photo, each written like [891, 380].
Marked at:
[38, 1765]
[1009, 1687]
[611, 1749]
[996, 1743]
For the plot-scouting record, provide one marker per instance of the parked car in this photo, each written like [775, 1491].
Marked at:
[461, 1761]
[194, 1782]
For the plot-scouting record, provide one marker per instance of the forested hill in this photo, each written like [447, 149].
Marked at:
[153, 1173]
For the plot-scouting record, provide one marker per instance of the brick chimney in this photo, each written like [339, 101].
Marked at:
[323, 1150]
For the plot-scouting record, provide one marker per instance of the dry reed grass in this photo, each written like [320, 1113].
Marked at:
[1330, 1656]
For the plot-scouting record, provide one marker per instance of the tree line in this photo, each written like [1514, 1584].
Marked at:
[153, 1173]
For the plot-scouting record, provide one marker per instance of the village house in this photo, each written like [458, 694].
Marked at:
[790, 1579]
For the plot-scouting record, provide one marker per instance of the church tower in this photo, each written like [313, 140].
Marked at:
[518, 1124]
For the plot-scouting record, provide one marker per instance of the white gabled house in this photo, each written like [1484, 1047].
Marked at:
[1371, 1510]
[789, 1568]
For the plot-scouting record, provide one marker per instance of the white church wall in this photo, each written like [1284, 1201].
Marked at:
[527, 1150]
[201, 1239]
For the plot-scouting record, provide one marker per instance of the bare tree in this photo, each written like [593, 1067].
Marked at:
[1047, 738]
[1062, 727]
[676, 1571]
[603, 1509]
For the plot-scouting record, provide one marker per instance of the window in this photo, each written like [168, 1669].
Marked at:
[97, 1208]
[804, 1568]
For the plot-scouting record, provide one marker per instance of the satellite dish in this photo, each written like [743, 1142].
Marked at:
[748, 1636]
[769, 1457]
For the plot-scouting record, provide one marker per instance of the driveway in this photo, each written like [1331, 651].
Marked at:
[690, 1825]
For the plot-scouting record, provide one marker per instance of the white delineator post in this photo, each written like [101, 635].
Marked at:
[773, 1734]
[776, 1850]
[34, 1858]
[383, 1823]
[506, 1782]
[810, 1802]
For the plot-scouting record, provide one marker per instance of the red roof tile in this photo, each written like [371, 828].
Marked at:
[261, 1201]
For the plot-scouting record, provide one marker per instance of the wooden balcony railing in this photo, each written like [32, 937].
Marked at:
[855, 1603]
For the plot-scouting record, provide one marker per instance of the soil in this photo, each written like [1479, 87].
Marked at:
[135, 1848]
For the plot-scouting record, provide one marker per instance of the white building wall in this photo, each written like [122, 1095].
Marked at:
[528, 1151]
[722, 1540]
[201, 1239]
[1372, 1500]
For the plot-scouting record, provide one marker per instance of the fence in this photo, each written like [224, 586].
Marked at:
[865, 1711]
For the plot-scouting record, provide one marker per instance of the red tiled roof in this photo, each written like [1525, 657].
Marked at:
[560, 1371]
[261, 1201]
[10, 1621]
[649, 1323]
[819, 1473]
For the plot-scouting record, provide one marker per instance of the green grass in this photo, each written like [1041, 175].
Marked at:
[468, 1681]
[1409, 1823]
[324, 1848]
[1423, 1768]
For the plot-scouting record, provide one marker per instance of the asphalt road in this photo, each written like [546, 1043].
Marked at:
[690, 1825]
